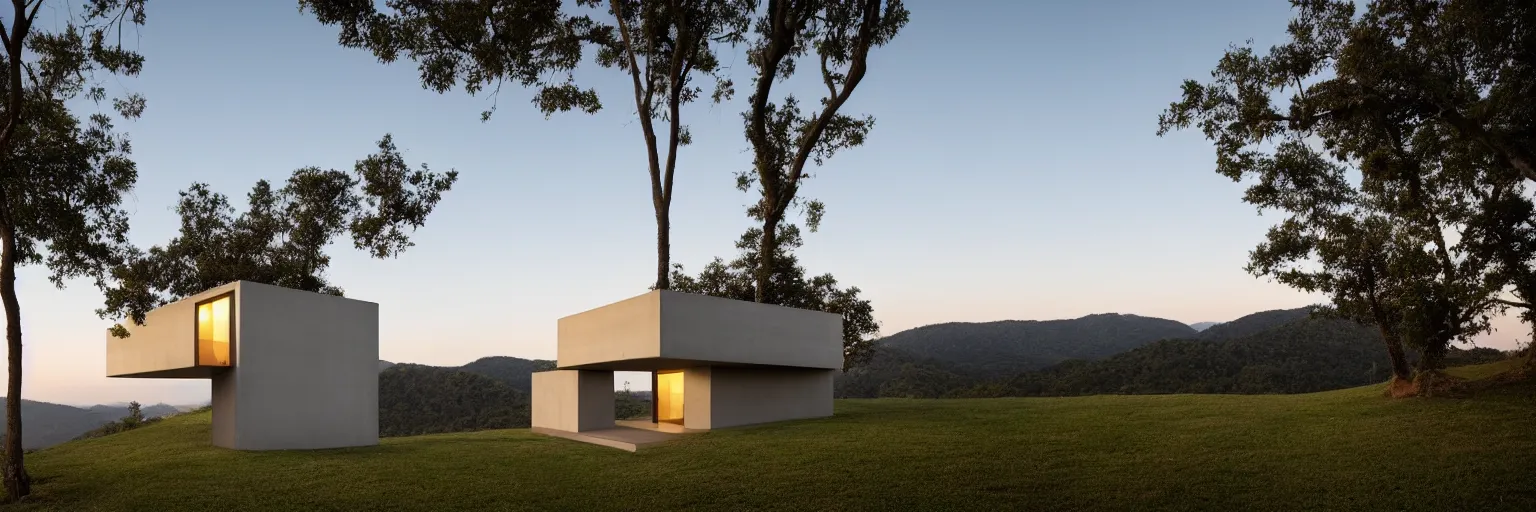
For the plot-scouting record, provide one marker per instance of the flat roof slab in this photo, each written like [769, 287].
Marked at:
[664, 326]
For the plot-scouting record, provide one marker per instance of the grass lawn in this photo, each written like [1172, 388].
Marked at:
[1340, 450]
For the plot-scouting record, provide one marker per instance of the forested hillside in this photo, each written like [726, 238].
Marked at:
[998, 349]
[1252, 324]
[488, 393]
[417, 399]
[49, 424]
[1281, 351]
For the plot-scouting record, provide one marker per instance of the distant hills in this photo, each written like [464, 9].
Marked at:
[488, 393]
[1201, 326]
[1252, 324]
[996, 349]
[47, 424]
[1280, 351]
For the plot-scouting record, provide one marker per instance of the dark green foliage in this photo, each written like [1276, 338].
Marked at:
[1252, 324]
[897, 373]
[492, 392]
[1293, 354]
[1302, 356]
[736, 280]
[997, 349]
[134, 419]
[1414, 95]
[512, 371]
[478, 44]
[416, 399]
[281, 239]
[841, 34]
[630, 405]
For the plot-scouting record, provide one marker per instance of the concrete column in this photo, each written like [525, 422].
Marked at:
[572, 400]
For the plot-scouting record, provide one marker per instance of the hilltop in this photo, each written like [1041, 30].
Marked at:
[488, 393]
[992, 349]
[1279, 351]
[48, 424]
[1347, 450]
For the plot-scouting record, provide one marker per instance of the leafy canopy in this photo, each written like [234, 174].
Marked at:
[736, 280]
[281, 237]
[1398, 95]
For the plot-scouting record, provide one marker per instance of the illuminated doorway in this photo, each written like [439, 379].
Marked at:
[214, 331]
[669, 397]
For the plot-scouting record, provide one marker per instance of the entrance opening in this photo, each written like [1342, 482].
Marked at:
[669, 397]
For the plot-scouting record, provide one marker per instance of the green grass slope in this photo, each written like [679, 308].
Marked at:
[1338, 450]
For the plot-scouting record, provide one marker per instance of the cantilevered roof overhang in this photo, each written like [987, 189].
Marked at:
[665, 330]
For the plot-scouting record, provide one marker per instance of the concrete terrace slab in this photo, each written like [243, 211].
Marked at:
[624, 438]
[665, 427]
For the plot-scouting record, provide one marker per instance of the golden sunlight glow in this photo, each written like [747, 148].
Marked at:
[213, 333]
[669, 396]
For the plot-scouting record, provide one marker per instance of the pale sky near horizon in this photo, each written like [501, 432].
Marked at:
[1013, 173]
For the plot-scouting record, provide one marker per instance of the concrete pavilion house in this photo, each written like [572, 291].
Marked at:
[289, 369]
[715, 363]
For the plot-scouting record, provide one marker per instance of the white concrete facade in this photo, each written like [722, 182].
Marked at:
[302, 368]
[572, 400]
[686, 327]
[742, 363]
[726, 396]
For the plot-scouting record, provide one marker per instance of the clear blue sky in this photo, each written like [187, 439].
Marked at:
[1013, 173]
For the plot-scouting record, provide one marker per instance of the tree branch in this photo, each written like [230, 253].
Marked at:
[1525, 305]
[680, 67]
[826, 77]
[15, 52]
[642, 102]
[856, 69]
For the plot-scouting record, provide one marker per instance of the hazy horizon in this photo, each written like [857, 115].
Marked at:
[1013, 174]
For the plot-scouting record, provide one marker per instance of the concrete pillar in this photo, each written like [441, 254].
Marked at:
[572, 400]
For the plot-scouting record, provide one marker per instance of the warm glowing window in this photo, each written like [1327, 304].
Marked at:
[213, 332]
[669, 396]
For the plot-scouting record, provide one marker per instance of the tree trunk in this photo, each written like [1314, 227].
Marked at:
[17, 484]
[1432, 357]
[1400, 368]
[663, 249]
[765, 250]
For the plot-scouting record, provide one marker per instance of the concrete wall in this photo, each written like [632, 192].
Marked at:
[628, 329]
[720, 397]
[704, 328]
[573, 400]
[696, 398]
[167, 340]
[305, 374]
[225, 410]
[684, 327]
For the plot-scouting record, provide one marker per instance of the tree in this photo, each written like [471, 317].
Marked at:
[281, 238]
[61, 178]
[135, 416]
[1503, 228]
[1381, 245]
[663, 47]
[737, 280]
[783, 139]
[1466, 66]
